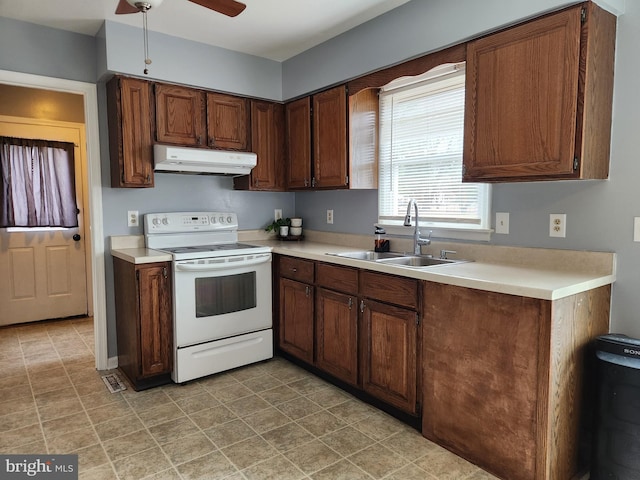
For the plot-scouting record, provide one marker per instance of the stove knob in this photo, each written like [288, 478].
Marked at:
[156, 221]
[229, 219]
[213, 219]
[165, 221]
[221, 219]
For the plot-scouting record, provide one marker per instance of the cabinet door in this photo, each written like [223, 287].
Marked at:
[389, 354]
[482, 351]
[130, 116]
[296, 319]
[180, 115]
[522, 100]
[337, 334]
[298, 124]
[267, 142]
[227, 122]
[330, 138]
[155, 319]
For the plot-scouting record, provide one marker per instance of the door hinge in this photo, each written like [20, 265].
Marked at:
[346, 180]
[350, 303]
[576, 164]
[313, 182]
[361, 306]
[164, 272]
[417, 319]
[464, 169]
[583, 15]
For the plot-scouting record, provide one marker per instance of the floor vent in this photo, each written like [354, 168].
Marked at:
[113, 382]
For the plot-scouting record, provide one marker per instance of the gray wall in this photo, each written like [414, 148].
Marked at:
[29, 48]
[190, 63]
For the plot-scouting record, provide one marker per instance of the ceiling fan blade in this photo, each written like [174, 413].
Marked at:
[231, 8]
[124, 7]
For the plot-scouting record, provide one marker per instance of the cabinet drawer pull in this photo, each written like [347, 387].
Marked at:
[294, 269]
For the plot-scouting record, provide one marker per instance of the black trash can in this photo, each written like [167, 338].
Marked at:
[615, 453]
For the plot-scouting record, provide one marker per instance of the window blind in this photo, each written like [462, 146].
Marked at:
[421, 140]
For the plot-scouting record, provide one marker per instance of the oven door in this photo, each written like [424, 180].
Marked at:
[221, 297]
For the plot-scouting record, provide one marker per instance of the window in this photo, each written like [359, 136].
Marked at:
[421, 139]
[37, 184]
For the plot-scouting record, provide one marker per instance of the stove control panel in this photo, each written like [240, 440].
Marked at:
[174, 222]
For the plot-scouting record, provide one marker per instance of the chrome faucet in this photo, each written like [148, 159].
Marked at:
[418, 241]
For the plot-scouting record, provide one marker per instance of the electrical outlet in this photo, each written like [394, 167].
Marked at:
[502, 223]
[558, 225]
[329, 216]
[277, 214]
[132, 218]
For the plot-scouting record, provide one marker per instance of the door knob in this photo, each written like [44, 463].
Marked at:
[76, 237]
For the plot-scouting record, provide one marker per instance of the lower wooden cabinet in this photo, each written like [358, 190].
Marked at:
[337, 334]
[295, 328]
[144, 322]
[389, 354]
[504, 377]
[359, 327]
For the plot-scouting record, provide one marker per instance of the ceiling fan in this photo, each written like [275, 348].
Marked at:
[231, 8]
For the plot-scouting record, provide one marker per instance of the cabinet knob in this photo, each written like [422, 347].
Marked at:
[294, 270]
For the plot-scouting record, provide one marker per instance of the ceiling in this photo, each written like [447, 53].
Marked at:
[273, 29]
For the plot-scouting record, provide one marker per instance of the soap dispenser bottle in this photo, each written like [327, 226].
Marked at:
[381, 245]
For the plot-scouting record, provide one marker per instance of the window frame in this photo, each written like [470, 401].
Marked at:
[440, 229]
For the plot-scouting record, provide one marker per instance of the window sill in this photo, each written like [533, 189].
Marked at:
[440, 232]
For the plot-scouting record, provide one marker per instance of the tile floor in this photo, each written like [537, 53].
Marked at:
[270, 420]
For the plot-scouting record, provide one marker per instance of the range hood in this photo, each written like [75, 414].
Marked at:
[170, 158]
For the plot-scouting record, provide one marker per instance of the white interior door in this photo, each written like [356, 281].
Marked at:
[44, 271]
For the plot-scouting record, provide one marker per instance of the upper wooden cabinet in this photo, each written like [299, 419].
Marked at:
[130, 117]
[191, 117]
[180, 115]
[318, 160]
[539, 99]
[298, 138]
[227, 122]
[330, 138]
[267, 142]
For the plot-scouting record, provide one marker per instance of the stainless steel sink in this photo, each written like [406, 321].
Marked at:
[369, 255]
[394, 258]
[415, 261]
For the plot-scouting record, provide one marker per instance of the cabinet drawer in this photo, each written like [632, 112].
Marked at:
[333, 277]
[297, 269]
[390, 289]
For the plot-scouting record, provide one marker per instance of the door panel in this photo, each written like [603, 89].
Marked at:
[46, 269]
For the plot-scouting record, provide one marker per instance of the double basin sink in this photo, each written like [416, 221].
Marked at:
[393, 258]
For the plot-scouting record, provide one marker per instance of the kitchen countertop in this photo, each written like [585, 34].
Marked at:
[513, 279]
[543, 274]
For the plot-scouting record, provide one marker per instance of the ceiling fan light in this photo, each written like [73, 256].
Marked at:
[149, 3]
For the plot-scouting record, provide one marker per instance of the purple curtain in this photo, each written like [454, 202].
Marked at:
[37, 183]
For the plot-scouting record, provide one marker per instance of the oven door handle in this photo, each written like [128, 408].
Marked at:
[227, 264]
